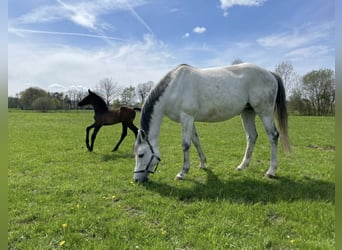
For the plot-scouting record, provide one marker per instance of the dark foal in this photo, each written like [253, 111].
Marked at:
[104, 116]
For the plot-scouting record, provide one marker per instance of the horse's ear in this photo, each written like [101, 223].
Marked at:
[141, 136]
[89, 91]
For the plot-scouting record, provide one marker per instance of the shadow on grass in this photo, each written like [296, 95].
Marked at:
[248, 190]
[117, 155]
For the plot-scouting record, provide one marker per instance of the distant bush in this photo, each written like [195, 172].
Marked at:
[43, 104]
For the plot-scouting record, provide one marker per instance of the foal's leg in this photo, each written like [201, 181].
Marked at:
[248, 120]
[196, 141]
[134, 129]
[187, 127]
[273, 138]
[123, 135]
[87, 135]
[93, 137]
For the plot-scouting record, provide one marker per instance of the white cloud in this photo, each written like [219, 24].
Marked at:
[226, 4]
[55, 87]
[297, 36]
[82, 13]
[186, 35]
[51, 68]
[173, 10]
[199, 30]
[308, 52]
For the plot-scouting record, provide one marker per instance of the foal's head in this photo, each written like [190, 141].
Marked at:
[96, 101]
[88, 100]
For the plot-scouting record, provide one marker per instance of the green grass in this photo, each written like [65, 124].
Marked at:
[62, 196]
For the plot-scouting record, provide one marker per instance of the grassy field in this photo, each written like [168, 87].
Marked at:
[62, 196]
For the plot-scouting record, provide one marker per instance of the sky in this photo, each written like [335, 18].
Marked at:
[58, 45]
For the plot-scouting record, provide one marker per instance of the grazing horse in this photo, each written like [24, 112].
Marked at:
[103, 116]
[187, 94]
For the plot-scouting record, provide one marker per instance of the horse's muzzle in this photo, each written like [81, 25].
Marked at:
[141, 177]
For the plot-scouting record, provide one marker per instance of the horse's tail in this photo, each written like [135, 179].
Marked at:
[137, 109]
[281, 113]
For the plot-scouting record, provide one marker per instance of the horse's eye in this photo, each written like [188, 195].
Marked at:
[141, 155]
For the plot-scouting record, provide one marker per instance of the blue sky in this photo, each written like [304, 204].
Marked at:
[63, 44]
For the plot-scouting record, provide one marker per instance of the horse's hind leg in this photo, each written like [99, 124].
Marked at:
[123, 135]
[93, 137]
[196, 141]
[134, 129]
[273, 135]
[248, 120]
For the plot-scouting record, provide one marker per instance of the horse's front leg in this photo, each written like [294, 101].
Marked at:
[93, 137]
[187, 128]
[87, 135]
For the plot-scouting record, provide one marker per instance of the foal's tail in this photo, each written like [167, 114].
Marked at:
[281, 111]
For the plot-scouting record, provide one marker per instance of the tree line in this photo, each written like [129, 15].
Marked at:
[114, 95]
[311, 94]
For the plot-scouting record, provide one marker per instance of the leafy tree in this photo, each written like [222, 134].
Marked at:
[28, 96]
[13, 102]
[44, 103]
[319, 88]
[58, 99]
[128, 96]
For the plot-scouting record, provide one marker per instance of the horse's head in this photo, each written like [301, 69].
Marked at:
[86, 100]
[146, 159]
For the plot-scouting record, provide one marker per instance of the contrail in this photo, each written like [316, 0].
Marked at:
[15, 30]
[136, 15]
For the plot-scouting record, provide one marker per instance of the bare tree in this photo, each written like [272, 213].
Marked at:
[143, 90]
[109, 90]
[290, 78]
[237, 61]
[75, 95]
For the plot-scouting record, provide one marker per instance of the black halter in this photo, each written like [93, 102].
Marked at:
[146, 170]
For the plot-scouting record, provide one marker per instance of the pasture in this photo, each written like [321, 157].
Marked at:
[62, 196]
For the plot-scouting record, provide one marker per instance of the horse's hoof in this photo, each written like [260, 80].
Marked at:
[203, 166]
[271, 176]
[179, 178]
[239, 169]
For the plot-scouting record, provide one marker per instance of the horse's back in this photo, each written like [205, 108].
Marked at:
[216, 94]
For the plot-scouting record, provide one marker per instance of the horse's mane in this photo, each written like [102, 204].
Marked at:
[153, 97]
[100, 105]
